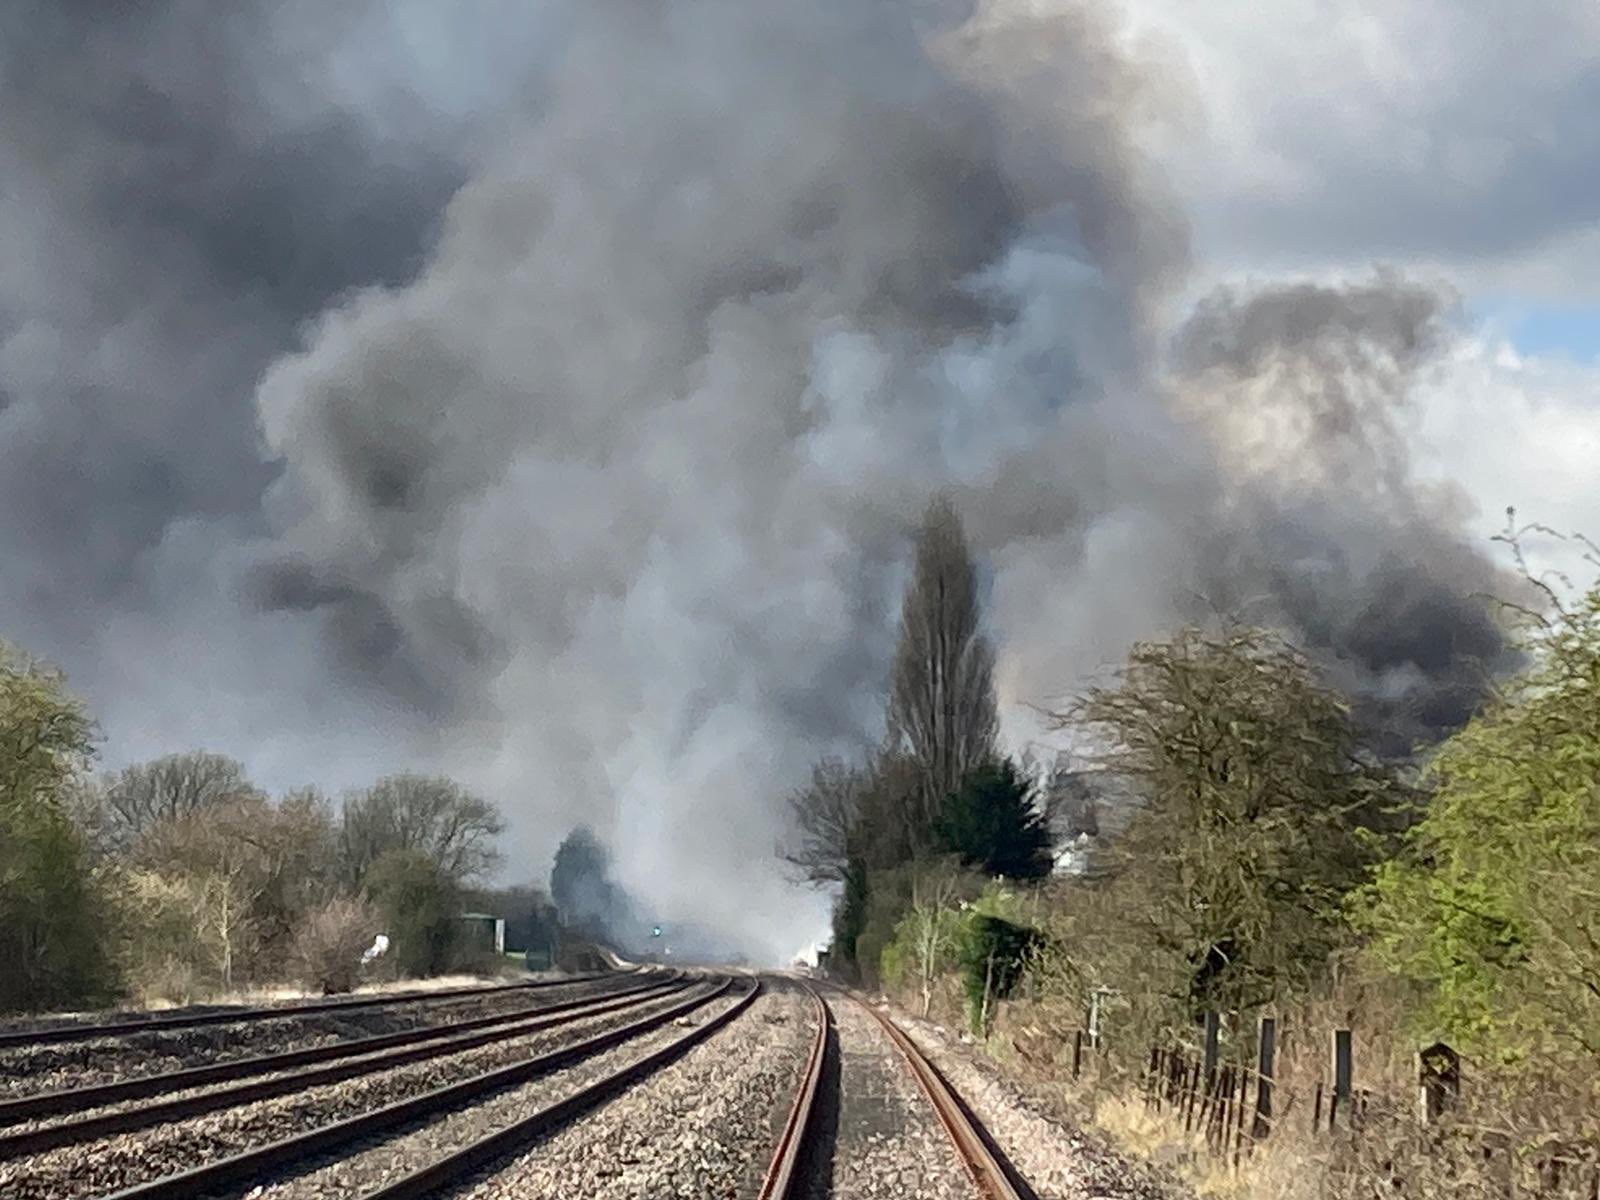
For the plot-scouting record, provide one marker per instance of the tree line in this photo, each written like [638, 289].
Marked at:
[179, 878]
[1273, 854]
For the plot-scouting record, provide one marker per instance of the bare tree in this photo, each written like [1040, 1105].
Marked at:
[142, 796]
[941, 688]
[825, 811]
[225, 853]
[429, 815]
[934, 921]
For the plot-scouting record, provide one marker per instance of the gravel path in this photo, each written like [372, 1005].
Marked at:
[120, 1161]
[382, 1162]
[27, 1070]
[702, 1129]
[1059, 1161]
[888, 1141]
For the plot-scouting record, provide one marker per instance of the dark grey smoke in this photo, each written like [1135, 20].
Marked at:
[1309, 388]
[543, 393]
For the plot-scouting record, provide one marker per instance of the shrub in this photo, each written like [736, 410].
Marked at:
[327, 947]
[993, 954]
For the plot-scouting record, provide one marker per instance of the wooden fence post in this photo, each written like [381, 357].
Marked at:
[1438, 1081]
[1213, 1025]
[1266, 1056]
[1077, 1052]
[1343, 1074]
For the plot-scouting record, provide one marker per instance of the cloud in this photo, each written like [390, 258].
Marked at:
[1410, 132]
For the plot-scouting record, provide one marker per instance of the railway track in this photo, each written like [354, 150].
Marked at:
[263, 1163]
[56, 1035]
[289, 1072]
[989, 1171]
[468, 1133]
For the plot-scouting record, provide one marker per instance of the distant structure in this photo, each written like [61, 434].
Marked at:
[485, 931]
[1088, 808]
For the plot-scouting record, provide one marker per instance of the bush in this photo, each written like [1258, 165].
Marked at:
[418, 905]
[327, 947]
[993, 953]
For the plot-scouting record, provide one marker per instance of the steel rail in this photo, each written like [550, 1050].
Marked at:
[60, 1034]
[263, 1162]
[462, 1163]
[80, 1099]
[781, 1182]
[78, 1130]
[986, 1165]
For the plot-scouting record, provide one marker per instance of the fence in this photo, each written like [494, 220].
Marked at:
[1235, 1107]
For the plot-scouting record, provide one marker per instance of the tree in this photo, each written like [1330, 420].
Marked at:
[142, 796]
[51, 940]
[824, 813]
[941, 690]
[932, 927]
[419, 904]
[1261, 808]
[992, 823]
[429, 815]
[257, 870]
[1494, 908]
[223, 852]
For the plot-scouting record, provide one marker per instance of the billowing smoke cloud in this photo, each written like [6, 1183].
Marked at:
[592, 484]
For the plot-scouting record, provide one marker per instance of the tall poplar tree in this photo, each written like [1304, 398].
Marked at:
[941, 689]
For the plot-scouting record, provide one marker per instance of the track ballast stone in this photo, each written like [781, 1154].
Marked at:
[1059, 1162]
[116, 1162]
[703, 1128]
[890, 1142]
[30, 1070]
[383, 1161]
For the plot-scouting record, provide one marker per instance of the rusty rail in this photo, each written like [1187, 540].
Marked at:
[986, 1165]
[780, 1182]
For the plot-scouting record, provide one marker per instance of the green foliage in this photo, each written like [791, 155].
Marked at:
[991, 823]
[1495, 907]
[993, 954]
[418, 903]
[51, 941]
[1262, 810]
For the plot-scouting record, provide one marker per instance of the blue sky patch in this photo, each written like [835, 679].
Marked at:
[1544, 330]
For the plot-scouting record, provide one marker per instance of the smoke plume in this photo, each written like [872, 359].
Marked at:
[554, 409]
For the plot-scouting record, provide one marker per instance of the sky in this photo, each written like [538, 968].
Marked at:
[544, 395]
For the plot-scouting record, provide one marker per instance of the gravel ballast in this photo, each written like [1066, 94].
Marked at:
[1059, 1161]
[120, 1161]
[889, 1142]
[702, 1128]
[385, 1161]
[29, 1070]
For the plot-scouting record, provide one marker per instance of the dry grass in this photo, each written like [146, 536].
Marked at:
[1491, 1148]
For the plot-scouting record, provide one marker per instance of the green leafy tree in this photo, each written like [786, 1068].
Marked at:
[51, 937]
[1262, 809]
[419, 904]
[1494, 909]
[992, 824]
